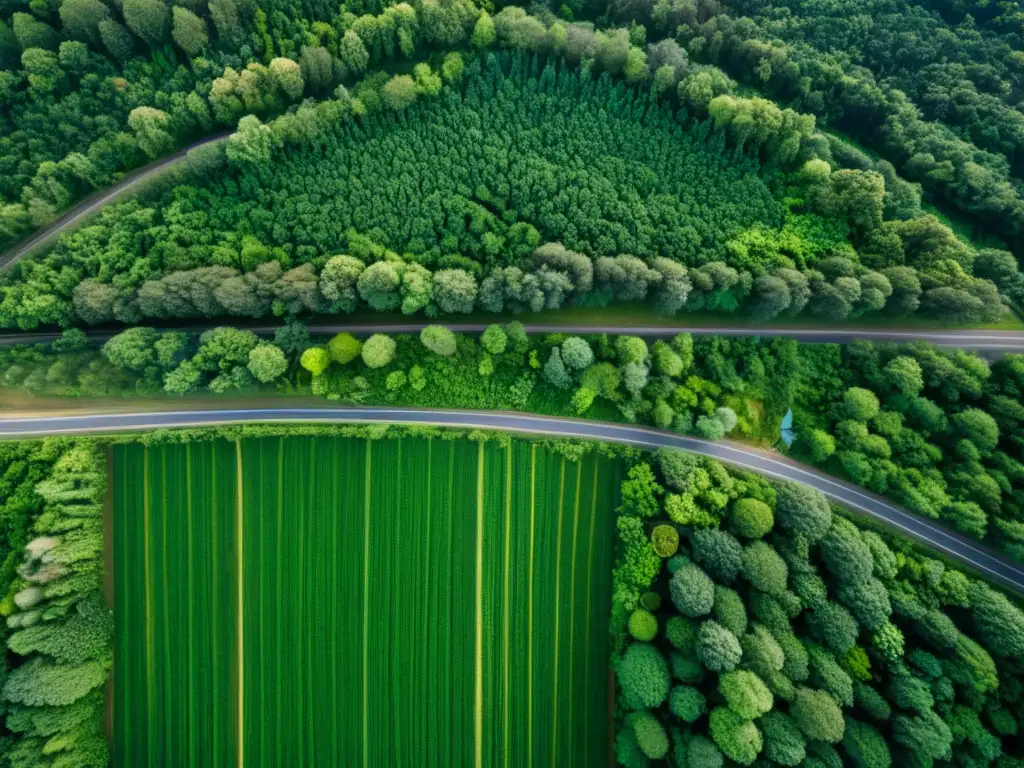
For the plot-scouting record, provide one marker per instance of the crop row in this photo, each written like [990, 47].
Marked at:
[307, 601]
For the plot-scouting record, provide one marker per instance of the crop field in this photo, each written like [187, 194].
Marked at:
[342, 601]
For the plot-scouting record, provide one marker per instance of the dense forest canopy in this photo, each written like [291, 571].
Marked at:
[695, 200]
[584, 163]
[937, 98]
[764, 628]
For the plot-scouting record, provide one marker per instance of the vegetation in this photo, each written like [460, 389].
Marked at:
[693, 201]
[92, 90]
[439, 158]
[59, 631]
[935, 430]
[931, 91]
[374, 601]
[813, 642]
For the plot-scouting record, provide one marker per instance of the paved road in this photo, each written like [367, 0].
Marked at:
[92, 204]
[958, 547]
[983, 342]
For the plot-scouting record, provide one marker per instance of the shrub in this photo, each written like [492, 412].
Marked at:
[783, 742]
[717, 648]
[439, 340]
[693, 593]
[745, 694]
[577, 354]
[833, 625]
[681, 633]
[494, 339]
[729, 610]
[665, 539]
[817, 715]
[378, 351]
[739, 739]
[764, 569]
[643, 625]
[687, 703]
[643, 677]
[650, 735]
[865, 746]
[315, 360]
[802, 510]
[751, 518]
[719, 553]
[344, 348]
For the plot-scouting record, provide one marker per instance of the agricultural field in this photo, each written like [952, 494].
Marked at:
[341, 601]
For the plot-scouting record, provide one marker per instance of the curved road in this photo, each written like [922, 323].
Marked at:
[970, 553]
[92, 204]
[990, 342]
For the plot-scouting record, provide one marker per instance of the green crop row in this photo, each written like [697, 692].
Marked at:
[342, 601]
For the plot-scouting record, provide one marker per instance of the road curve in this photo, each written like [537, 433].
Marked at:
[983, 342]
[92, 204]
[968, 552]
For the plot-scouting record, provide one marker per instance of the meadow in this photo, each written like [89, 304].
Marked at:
[342, 601]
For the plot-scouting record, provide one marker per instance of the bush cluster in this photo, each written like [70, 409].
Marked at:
[819, 645]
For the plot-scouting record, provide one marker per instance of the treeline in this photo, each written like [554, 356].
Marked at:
[938, 431]
[828, 63]
[732, 211]
[90, 90]
[59, 631]
[23, 466]
[961, 76]
[753, 624]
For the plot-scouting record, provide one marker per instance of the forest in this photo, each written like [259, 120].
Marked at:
[769, 628]
[316, 594]
[810, 225]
